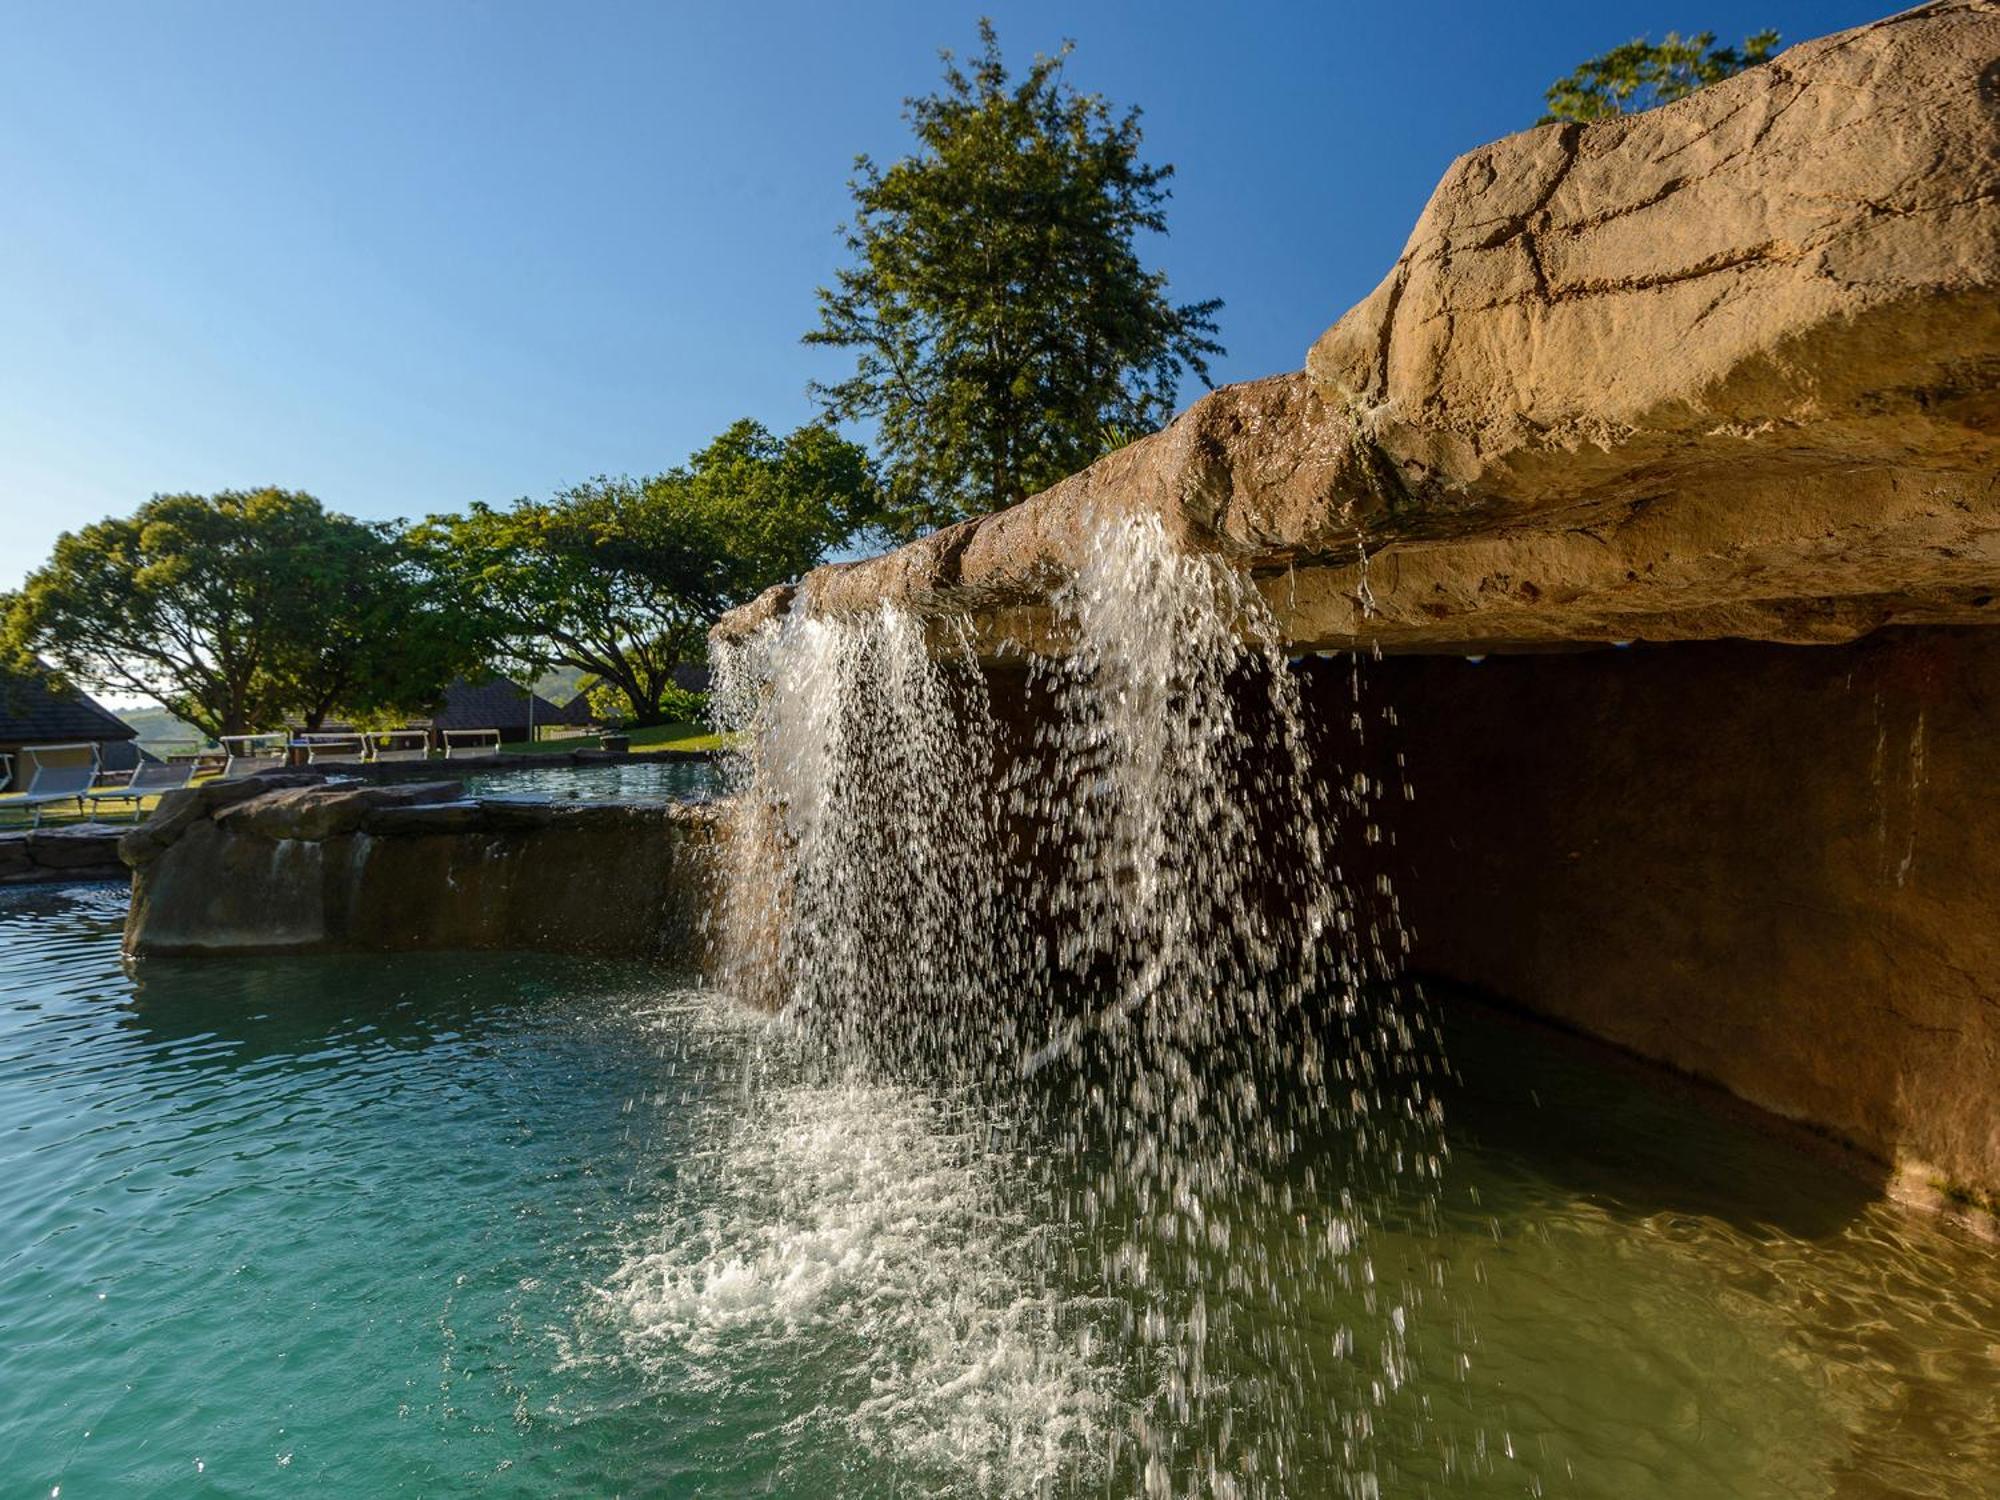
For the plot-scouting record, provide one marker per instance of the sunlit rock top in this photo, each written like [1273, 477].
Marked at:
[1727, 368]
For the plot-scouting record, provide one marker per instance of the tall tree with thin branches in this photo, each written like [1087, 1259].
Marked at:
[1006, 330]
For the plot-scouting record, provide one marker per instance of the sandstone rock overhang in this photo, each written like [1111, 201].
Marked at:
[1729, 368]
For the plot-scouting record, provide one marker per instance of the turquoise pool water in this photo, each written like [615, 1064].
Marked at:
[676, 780]
[501, 1225]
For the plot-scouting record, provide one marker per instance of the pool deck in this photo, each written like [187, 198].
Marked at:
[89, 851]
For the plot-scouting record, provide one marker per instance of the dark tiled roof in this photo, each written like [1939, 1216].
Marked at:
[33, 713]
[493, 704]
[575, 712]
[693, 677]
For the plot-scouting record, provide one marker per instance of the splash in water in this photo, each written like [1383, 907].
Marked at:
[1102, 898]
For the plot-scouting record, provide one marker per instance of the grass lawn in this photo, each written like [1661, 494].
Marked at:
[659, 737]
[63, 814]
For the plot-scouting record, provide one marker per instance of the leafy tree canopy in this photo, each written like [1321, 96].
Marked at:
[233, 611]
[1002, 319]
[1642, 74]
[621, 578]
[677, 705]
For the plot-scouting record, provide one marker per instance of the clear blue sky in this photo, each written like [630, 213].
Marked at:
[411, 255]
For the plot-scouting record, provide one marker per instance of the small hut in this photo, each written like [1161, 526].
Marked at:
[495, 703]
[34, 712]
[578, 714]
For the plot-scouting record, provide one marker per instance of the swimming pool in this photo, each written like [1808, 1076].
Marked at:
[675, 780]
[479, 1224]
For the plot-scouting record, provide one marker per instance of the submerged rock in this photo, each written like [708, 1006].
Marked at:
[1726, 368]
[47, 856]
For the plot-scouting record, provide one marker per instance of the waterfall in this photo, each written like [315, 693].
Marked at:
[1105, 895]
[860, 900]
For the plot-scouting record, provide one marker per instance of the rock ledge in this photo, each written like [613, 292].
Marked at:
[1729, 368]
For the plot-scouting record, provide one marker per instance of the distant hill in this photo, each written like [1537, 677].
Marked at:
[558, 684]
[158, 727]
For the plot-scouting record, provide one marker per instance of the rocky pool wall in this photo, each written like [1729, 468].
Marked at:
[294, 864]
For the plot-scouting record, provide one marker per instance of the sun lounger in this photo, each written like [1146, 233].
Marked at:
[332, 749]
[470, 742]
[250, 753]
[151, 779]
[402, 744]
[55, 774]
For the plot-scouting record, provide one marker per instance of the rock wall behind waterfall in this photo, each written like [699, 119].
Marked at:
[1773, 868]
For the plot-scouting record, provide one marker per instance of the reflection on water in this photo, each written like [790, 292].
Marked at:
[499, 1225]
[1665, 1303]
[674, 780]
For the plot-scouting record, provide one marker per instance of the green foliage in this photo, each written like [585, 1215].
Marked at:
[621, 578]
[1642, 74]
[613, 705]
[235, 610]
[1002, 317]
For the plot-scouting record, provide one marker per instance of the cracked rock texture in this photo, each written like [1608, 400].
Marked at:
[1726, 368]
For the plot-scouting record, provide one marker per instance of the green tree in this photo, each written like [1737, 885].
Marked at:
[1001, 316]
[677, 705]
[235, 610]
[622, 578]
[386, 636]
[1642, 74]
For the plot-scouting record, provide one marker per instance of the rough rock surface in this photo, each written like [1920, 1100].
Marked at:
[87, 851]
[281, 863]
[1726, 368]
[1787, 890]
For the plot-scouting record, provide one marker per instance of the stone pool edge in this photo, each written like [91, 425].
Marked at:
[296, 863]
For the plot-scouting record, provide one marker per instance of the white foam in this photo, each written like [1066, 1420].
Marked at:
[1123, 881]
[854, 1227]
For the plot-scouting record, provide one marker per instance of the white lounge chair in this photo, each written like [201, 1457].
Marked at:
[401, 744]
[332, 749]
[248, 754]
[6, 770]
[150, 779]
[56, 773]
[470, 741]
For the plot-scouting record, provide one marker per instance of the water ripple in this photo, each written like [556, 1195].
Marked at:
[464, 1225]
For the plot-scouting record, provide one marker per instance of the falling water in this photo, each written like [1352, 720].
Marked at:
[1099, 908]
[861, 898]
